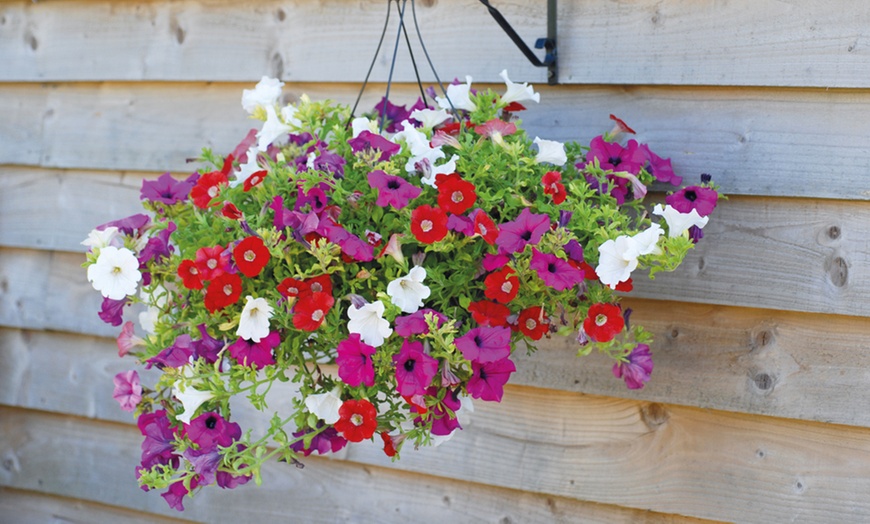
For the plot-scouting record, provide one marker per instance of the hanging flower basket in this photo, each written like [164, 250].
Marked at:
[389, 275]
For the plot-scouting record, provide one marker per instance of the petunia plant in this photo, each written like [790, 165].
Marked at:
[387, 266]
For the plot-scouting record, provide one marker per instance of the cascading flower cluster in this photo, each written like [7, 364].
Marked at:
[388, 275]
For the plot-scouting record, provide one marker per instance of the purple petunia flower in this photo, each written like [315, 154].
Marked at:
[555, 272]
[315, 197]
[205, 463]
[166, 189]
[350, 244]
[392, 114]
[701, 199]
[324, 442]
[414, 369]
[157, 247]
[528, 228]
[354, 361]
[175, 356]
[157, 448]
[128, 390]
[415, 323]
[227, 480]
[111, 311]
[392, 190]
[574, 250]
[443, 422]
[174, 496]
[488, 379]
[485, 344]
[460, 224]
[250, 353]
[130, 226]
[373, 141]
[207, 347]
[637, 369]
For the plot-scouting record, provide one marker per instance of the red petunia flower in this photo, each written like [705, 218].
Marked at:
[552, 182]
[208, 186]
[189, 274]
[211, 262]
[625, 286]
[502, 285]
[223, 291]
[428, 224]
[255, 179]
[389, 446]
[603, 322]
[513, 107]
[310, 311]
[251, 255]
[452, 128]
[533, 322]
[231, 211]
[485, 227]
[358, 420]
[319, 284]
[487, 313]
[455, 195]
[292, 288]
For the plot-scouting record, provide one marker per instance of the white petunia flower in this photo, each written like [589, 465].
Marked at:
[272, 129]
[265, 94]
[517, 92]
[647, 241]
[442, 169]
[155, 300]
[550, 151]
[247, 169]
[361, 123]
[408, 292]
[190, 397]
[369, 323]
[288, 115]
[459, 95]
[617, 259]
[115, 274]
[254, 322]
[430, 118]
[100, 239]
[679, 223]
[418, 144]
[324, 406]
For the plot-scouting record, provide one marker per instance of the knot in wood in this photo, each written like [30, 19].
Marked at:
[839, 272]
[834, 232]
[654, 415]
[763, 381]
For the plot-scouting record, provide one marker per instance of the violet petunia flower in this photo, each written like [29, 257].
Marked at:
[555, 272]
[354, 360]
[207, 347]
[227, 480]
[175, 356]
[130, 226]
[211, 430]
[527, 228]
[157, 247]
[167, 189]
[460, 224]
[636, 369]
[392, 114]
[315, 197]
[574, 251]
[488, 379]
[250, 353]
[414, 369]
[111, 311]
[350, 244]
[327, 441]
[205, 463]
[174, 496]
[485, 344]
[392, 190]
[157, 448]
[372, 141]
[659, 167]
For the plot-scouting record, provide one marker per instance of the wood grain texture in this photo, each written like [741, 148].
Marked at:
[753, 141]
[708, 42]
[27, 507]
[32, 446]
[789, 365]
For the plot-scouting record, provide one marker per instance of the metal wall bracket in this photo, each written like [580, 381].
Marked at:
[548, 43]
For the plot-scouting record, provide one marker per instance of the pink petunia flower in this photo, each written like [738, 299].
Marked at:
[392, 190]
[354, 360]
[488, 379]
[414, 369]
[527, 228]
[485, 344]
[554, 271]
[128, 390]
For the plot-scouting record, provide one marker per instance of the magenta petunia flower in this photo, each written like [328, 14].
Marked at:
[414, 369]
[174, 496]
[350, 244]
[659, 167]
[488, 379]
[167, 189]
[445, 422]
[157, 448]
[528, 228]
[250, 353]
[555, 272]
[392, 190]
[373, 141]
[111, 311]
[354, 361]
[128, 390]
[460, 224]
[227, 480]
[637, 368]
[492, 262]
[211, 430]
[612, 156]
[207, 347]
[485, 344]
[701, 199]
[415, 323]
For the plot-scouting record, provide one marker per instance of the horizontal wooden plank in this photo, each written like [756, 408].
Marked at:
[753, 141]
[27, 507]
[790, 365]
[36, 456]
[740, 42]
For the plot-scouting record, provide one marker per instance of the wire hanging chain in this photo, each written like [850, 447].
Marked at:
[402, 29]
